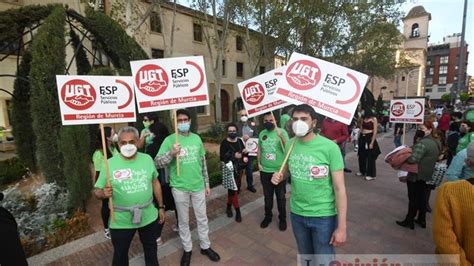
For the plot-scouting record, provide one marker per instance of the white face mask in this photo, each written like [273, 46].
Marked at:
[244, 118]
[115, 138]
[300, 128]
[435, 124]
[128, 150]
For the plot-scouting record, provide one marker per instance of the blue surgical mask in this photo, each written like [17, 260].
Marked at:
[184, 127]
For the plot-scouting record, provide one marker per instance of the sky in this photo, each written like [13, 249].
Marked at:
[446, 19]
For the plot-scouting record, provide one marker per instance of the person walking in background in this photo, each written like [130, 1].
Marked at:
[159, 132]
[318, 200]
[146, 136]
[444, 121]
[425, 153]
[459, 169]
[467, 135]
[397, 134]
[285, 117]
[271, 153]
[247, 129]
[98, 161]
[337, 132]
[232, 150]
[453, 229]
[368, 147]
[452, 141]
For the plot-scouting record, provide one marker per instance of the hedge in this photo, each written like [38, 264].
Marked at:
[48, 54]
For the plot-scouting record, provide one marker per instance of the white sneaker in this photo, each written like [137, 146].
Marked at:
[159, 242]
[369, 178]
[175, 228]
[107, 233]
[359, 174]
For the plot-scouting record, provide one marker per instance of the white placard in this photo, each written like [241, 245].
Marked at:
[170, 83]
[95, 99]
[252, 146]
[407, 111]
[257, 93]
[332, 90]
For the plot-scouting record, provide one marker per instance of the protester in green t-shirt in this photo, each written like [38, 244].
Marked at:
[318, 201]
[285, 117]
[98, 161]
[191, 183]
[271, 143]
[466, 129]
[133, 183]
[146, 136]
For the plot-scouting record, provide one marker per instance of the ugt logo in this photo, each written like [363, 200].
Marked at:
[303, 75]
[253, 93]
[398, 109]
[78, 94]
[151, 80]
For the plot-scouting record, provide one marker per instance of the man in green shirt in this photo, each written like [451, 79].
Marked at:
[133, 183]
[318, 202]
[271, 142]
[467, 134]
[192, 183]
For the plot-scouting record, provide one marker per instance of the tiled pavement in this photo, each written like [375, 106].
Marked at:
[373, 207]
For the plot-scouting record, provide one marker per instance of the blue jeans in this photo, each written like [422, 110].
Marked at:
[397, 140]
[312, 236]
[249, 172]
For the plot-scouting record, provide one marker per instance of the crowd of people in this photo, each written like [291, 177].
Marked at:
[152, 171]
[171, 174]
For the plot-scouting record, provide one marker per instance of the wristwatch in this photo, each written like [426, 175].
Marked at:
[161, 207]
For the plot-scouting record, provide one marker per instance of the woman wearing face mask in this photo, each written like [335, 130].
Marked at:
[425, 153]
[98, 160]
[465, 129]
[368, 147]
[146, 136]
[232, 149]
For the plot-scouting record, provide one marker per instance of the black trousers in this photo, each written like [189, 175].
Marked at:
[417, 200]
[268, 190]
[121, 239]
[367, 157]
[105, 213]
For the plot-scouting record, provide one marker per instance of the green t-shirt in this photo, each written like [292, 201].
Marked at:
[464, 141]
[283, 120]
[148, 139]
[131, 182]
[311, 164]
[272, 154]
[98, 158]
[190, 162]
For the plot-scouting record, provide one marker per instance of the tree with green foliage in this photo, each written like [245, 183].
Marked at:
[464, 97]
[446, 98]
[82, 63]
[48, 54]
[21, 117]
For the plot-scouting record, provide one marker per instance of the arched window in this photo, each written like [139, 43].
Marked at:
[415, 30]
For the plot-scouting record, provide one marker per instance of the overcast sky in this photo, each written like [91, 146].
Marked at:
[446, 19]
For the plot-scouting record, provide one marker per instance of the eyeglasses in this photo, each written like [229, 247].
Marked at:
[145, 120]
[123, 142]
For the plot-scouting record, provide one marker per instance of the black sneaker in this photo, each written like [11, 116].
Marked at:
[266, 221]
[282, 226]
[211, 254]
[252, 189]
[186, 258]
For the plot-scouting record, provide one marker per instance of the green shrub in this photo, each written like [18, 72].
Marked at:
[11, 170]
[213, 169]
[48, 54]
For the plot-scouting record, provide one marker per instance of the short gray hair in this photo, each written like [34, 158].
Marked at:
[129, 129]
